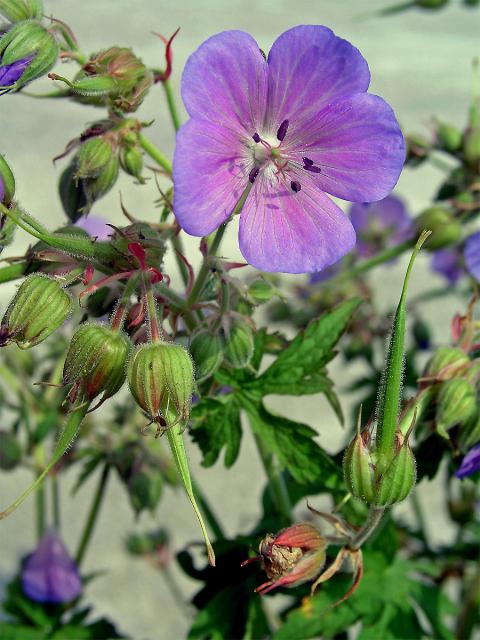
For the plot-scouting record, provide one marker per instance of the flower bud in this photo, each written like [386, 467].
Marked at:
[29, 44]
[95, 362]
[131, 161]
[398, 479]
[238, 343]
[261, 291]
[449, 137]
[469, 432]
[10, 451]
[471, 147]
[207, 353]
[147, 543]
[160, 376]
[145, 489]
[7, 182]
[456, 404]
[39, 307]
[358, 469]
[93, 156]
[18, 10]
[446, 229]
[446, 363]
[97, 187]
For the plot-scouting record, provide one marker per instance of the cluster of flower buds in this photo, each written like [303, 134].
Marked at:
[102, 150]
[27, 49]
[40, 306]
[115, 78]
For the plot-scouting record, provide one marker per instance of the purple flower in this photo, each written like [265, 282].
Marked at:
[49, 574]
[298, 125]
[380, 224]
[95, 227]
[10, 73]
[448, 263]
[470, 463]
[472, 255]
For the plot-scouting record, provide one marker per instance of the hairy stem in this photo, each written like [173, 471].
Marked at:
[155, 153]
[92, 515]
[375, 516]
[172, 107]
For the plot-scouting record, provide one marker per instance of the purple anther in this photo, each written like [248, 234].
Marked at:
[282, 130]
[256, 137]
[307, 162]
[296, 186]
[253, 174]
[312, 168]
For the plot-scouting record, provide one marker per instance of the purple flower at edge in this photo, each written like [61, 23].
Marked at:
[298, 125]
[10, 73]
[470, 463]
[472, 255]
[379, 225]
[95, 226]
[448, 263]
[49, 573]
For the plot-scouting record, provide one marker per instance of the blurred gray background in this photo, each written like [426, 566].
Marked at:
[420, 63]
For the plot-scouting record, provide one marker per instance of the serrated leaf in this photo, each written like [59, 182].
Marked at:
[216, 424]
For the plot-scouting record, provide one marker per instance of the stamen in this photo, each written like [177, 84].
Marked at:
[256, 138]
[253, 174]
[307, 162]
[282, 130]
[296, 186]
[312, 168]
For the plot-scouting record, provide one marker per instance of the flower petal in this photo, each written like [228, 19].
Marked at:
[292, 232]
[472, 255]
[225, 82]
[358, 145]
[210, 172]
[10, 73]
[309, 68]
[470, 463]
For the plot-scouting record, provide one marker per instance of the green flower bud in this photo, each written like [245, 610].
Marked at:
[446, 363]
[397, 481]
[131, 161]
[93, 86]
[18, 10]
[160, 376]
[446, 229]
[7, 182]
[97, 187]
[72, 195]
[93, 156]
[207, 353]
[449, 137]
[469, 432]
[471, 147]
[95, 362]
[456, 403]
[238, 344]
[39, 307]
[358, 470]
[10, 451]
[29, 39]
[261, 291]
[145, 490]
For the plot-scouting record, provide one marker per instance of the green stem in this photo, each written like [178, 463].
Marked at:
[210, 517]
[57, 521]
[123, 306]
[172, 107]
[178, 246]
[13, 271]
[276, 484]
[417, 509]
[155, 153]
[40, 511]
[156, 333]
[375, 516]
[93, 515]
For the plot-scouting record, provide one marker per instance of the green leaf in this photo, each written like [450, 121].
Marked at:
[292, 442]
[11, 631]
[436, 606]
[298, 369]
[216, 424]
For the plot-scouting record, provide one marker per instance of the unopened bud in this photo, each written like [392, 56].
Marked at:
[93, 156]
[97, 187]
[145, 489]
[398, 479]
[95, 362]
[446, 229]
[238, 344]
[261, 291]
[7, 182]
[446, 363]
[10, 451]
[39, 307]
[456, 404]
[471, 147]
[131, 161]
[449, 136]
[358, 470]
[207, 353]
[18, 10]
[160, 376]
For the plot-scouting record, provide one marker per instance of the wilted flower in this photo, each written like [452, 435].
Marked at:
[380, 224]
[49, 574]
[472, 255]
[448, 263]
[470, 463]
[295, 126]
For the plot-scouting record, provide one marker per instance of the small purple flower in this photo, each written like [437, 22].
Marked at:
[49, 573]
[380, 224]
[470, 463]
[472, 255]
[448, 263]
[296, 126]
[10, 73]
[95, 227]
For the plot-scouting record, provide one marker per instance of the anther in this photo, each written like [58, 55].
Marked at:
[282, 130]
[256, 137]
[307, 162]
[253, 174]
[312, 168]
[296, 186]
